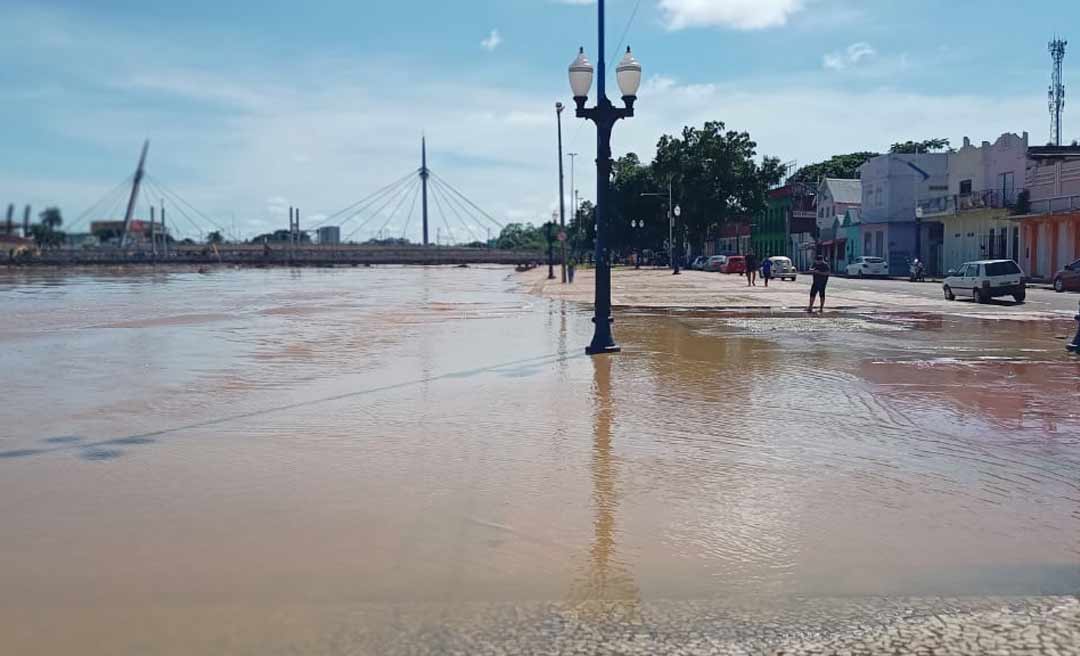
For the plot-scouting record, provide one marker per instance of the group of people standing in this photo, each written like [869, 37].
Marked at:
[820, 272]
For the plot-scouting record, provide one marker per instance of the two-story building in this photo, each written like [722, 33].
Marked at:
[1050, 223]
[787, 225]
[892, 185]
[974, 215]
[834, 198]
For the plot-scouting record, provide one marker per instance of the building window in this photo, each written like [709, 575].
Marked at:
[879, 246]
[965, 187]
[992, 244]
[866, 244]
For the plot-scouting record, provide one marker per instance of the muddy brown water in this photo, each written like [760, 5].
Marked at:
[272, 439]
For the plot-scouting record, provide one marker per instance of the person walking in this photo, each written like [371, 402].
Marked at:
[821, 279]
[751, 269]
[571, 264]
[766, 270]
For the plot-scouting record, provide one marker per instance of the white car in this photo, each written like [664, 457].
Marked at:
[868, 266]
[986, 279]
[782, 268]
[714, 263]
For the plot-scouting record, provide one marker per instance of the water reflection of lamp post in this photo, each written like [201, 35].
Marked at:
[604, 115]
[637, 227]
[606, 579]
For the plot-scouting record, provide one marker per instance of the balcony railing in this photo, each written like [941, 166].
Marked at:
[976, 200]
[1055, 205]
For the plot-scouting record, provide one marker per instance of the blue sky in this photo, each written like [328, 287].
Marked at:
[253, 106]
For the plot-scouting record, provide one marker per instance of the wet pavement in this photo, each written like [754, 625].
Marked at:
[354, 460]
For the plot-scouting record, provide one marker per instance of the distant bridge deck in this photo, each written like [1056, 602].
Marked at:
[277, 255]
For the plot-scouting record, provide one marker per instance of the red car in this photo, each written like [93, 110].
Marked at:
[1068, 278]
[734, 264]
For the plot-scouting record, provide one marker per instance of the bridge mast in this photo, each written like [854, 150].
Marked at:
[134, 194]
[424, 173]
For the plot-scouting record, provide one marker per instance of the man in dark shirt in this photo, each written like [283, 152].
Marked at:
[751, 269]
[821, 279]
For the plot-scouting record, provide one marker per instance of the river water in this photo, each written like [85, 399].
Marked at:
[185, 457]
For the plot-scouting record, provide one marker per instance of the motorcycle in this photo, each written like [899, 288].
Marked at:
[917, 272]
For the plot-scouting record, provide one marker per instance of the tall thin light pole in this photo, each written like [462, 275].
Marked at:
[164, 232]
[562, 200]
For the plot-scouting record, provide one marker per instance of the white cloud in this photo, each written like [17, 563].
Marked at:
[737, 14]
[850, 56]
[492, 41]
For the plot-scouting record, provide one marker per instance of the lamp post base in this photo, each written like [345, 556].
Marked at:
[601, 350]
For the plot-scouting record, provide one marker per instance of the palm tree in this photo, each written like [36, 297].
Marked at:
[51, 218]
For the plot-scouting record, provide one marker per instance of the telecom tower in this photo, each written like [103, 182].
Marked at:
[1057, 89]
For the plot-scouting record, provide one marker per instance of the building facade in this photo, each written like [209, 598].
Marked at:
[1049, 229]
[974, 217]
[329, 235]
[788, 220]
[834, 198]
[892, 186]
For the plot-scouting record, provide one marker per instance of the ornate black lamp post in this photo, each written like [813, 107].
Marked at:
[604, 115]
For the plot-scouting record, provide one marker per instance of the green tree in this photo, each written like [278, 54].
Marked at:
[927, 146]
[715, 175]
[46, 237]
[51, 218]
[215, 237]
[521, 237]
[582, 230]
[837, 166]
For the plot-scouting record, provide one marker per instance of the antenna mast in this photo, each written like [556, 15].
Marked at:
[1057, 89]
[424, 173]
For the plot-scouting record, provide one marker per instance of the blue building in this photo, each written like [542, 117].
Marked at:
[892, 186]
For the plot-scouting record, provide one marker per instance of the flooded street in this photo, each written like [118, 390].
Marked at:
[256, 457]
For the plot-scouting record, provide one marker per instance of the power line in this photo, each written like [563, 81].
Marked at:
[386, 192]
[451, 202]
[100, 203]
[408, 218]
[465, 198]
[365, 199]
[177, 197]
[442, 214]
[389, 199]
[397, 207]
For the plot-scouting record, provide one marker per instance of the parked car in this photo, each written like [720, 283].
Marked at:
[868, 266]
[715, 263]
[699, 263]
[782, 268]
[734, 264]
[1068, 278]
[986, 279]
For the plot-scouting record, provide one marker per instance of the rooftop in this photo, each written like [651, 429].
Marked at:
[845, 190]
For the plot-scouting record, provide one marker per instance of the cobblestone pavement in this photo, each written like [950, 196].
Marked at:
[657, 288]
[842, 627]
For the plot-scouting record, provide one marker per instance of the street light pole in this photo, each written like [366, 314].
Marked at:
[677, 252]
[550, 239]
[562, 200]
[604, 115]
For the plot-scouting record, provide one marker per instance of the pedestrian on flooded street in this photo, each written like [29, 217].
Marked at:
[821, 279]
[766, 270]
[570, 266]
[751, 269]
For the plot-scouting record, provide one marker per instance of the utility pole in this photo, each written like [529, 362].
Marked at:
[153, 235]
[26, 222]
[9, 226]
[424, 173]
[134, 194]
